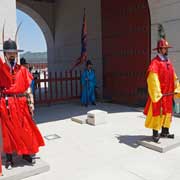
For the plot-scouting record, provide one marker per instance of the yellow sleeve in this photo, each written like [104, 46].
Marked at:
[177, 87]
[154, 88]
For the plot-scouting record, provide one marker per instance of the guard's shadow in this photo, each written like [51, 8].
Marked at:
[132, 140]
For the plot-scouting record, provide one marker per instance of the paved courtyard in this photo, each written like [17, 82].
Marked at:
[108, 151]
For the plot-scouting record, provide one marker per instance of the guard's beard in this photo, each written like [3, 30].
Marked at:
[12, 61]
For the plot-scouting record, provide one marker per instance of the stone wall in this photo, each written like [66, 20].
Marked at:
[69, 18]
[7, 17]
[166, 12]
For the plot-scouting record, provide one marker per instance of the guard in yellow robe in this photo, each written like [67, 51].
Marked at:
[162, 87]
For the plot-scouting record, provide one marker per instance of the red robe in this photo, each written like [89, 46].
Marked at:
[19, 132]
[166, 73]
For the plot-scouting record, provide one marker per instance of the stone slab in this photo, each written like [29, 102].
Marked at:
[80, 119]
[96, 117]
[23, 169]
[176, 114]
[162, 146]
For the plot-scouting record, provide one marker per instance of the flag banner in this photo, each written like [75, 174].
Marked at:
[83, 56]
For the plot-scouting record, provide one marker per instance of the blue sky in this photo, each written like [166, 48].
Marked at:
[30, 36]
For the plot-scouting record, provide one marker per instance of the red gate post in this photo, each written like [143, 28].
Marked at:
[45, 86]
[50, 87]
[34, 94]
[80, 81]
[76, 84]
[39, 87]
[56, 87]
[71, 79]
[61, 85]
[66, 80]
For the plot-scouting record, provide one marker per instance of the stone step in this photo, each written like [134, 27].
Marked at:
[97, 117]
[163, 145]
[23, 169]
[80, 119]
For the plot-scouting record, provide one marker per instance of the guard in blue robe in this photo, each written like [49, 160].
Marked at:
[88, 81]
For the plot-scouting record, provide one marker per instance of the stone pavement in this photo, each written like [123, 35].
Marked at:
[23, 169]
[108, 151]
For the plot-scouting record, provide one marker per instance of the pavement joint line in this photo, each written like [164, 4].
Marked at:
[137, 175]
[52, 137]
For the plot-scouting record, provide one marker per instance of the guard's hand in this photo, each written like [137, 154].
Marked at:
[32, 113]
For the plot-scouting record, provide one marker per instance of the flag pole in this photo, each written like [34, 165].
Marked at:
[83, 56]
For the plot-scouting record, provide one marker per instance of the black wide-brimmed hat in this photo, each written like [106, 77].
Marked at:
[10, 46]
[23, 61]
[88, 63]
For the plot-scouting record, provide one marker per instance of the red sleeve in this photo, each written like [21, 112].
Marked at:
[153, 67]
[5, 76]
[28, 77]
[23, 80]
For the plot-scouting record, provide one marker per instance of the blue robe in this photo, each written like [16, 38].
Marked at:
[33, 86]
[88, 87]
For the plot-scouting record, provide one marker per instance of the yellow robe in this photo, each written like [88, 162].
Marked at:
[154, 90]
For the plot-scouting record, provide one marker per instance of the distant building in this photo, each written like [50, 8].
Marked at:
[36, 60]
[39, 66]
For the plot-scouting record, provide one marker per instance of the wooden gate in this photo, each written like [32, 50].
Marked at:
[57, 87]
[126, 49]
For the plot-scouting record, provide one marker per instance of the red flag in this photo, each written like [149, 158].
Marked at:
[83, 56]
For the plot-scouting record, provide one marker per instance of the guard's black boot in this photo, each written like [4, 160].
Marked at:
[9, 162]
[93, 103]
[29, 159]
[165, 133]
[155, 136]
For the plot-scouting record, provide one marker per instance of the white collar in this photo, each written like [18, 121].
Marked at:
[8, 63]
[163, 58]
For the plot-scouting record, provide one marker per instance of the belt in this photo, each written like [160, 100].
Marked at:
[12, 95]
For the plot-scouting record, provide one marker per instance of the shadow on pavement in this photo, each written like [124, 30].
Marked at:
[64, 111]
[131, 140]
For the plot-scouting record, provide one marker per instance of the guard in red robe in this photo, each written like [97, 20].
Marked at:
[19, 132]
[162, 87]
